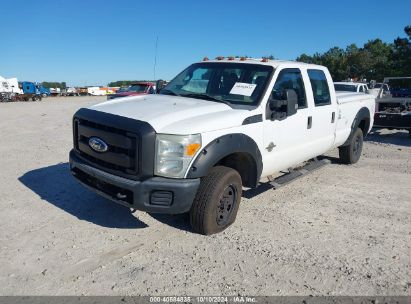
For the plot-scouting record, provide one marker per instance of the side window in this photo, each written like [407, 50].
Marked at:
[361, 88]
[319, 85]
[291, 79]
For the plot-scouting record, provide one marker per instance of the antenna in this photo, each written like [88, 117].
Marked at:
[155, 58]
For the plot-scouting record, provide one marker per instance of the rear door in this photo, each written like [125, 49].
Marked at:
[324, 111]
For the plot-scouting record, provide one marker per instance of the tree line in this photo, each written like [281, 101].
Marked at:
[373, 61]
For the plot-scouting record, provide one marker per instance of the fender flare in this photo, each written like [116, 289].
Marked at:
[363, 114]
[223, 146]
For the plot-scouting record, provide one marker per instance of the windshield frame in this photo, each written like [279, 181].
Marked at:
[231, 103]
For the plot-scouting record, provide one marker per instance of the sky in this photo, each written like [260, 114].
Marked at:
[92, 42]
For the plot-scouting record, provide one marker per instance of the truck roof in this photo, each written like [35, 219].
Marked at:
[262, 61]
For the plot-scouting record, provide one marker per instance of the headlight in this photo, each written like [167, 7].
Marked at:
[174, 154]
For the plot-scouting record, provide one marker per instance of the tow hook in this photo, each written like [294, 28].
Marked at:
[121, 196]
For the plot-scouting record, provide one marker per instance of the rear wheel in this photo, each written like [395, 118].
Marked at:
[351, 154]
[217, 200]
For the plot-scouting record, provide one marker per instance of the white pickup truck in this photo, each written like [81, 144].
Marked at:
[217, 127]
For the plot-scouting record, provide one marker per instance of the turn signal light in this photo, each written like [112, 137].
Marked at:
[191, 149]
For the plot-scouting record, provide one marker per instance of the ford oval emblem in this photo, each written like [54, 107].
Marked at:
[97, 144]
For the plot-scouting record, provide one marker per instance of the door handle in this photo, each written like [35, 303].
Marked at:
[309, 122]
[333, 117]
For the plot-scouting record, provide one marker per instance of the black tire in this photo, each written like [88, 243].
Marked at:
[351, 154]
[217, 200]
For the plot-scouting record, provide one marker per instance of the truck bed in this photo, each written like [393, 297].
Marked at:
[346, 97]
[349, 105]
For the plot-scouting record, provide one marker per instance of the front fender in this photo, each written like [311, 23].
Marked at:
[222, 147]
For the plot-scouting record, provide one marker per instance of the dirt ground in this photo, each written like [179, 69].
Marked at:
[342, 230]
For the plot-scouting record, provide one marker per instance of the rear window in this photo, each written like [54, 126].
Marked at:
[345, 87]
[319, 86]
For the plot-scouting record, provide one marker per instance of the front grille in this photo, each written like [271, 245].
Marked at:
[122, 154]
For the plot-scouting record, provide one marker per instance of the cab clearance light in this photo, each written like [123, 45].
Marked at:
[205, 59]
[230, 58]
[220, 58]
[243, 58]
[264, 60]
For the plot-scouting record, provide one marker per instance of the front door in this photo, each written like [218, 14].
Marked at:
[286, 141]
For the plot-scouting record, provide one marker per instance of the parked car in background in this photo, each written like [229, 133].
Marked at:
[375, 89]
[135, 89]
[83, 91]
[44, 92]
[96, 91]
[216, 127]
[72, 91]
[357, 87]
[55, 91]
[393, 110]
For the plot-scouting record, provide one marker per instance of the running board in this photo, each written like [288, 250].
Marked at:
[297, 173]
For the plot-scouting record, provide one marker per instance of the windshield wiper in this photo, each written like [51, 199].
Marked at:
[169, 92]
[206, 96]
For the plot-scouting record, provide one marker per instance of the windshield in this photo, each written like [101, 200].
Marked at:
[345, 87]
[234, 83]
[139, 88]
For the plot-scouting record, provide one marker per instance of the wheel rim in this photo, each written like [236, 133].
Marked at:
[225, 206]
[357, 147]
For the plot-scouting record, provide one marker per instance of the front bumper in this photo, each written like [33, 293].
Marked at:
[155, 194]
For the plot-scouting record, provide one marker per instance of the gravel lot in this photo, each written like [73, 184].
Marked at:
[342, 230]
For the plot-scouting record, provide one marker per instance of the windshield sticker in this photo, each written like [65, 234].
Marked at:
[241, 88]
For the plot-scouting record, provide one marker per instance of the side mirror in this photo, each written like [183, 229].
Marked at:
[281, 105]
[160, 84]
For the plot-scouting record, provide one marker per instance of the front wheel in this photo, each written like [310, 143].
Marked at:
[217, 200]
[351, 154]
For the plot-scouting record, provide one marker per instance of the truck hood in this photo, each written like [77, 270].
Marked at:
[174, 114]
